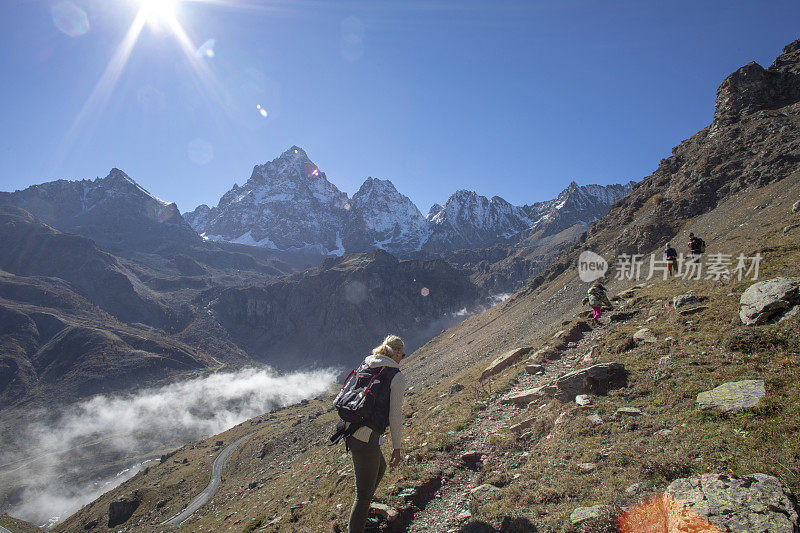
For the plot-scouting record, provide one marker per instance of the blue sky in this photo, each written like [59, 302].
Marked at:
[508, 98]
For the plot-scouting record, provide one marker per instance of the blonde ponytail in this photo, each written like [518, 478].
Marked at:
[392, 346]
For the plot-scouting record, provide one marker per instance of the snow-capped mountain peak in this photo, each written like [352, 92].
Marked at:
[289, 203]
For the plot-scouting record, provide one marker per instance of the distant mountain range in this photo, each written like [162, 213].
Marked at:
[115, 211]
[290, 204]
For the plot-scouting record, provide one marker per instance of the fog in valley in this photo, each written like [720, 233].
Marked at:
[63, 460]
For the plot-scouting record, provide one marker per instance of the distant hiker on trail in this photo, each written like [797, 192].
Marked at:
[597, 299]
[671, 257]
[380, 380]
[696, 247]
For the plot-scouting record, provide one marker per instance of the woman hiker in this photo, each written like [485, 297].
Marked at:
[597, 299]
[365, 443]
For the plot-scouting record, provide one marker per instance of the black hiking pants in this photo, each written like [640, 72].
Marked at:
[369, 466]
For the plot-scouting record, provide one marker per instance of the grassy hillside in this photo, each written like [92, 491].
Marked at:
[284, 478]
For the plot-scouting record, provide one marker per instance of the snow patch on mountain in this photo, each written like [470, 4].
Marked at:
[288, 203]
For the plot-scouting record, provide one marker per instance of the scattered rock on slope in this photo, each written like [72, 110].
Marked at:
[733, 396]
[504, 361]
[766, 301]
[597, 379]
[755, 503]
[644, 335]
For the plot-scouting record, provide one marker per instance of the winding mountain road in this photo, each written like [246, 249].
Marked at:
[213, 485]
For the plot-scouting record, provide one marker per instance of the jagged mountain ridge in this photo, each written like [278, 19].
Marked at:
[289, 203]
[114, 211]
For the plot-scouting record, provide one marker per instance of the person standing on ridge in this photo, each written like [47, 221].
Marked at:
[696, 247]
[671, 257]
[365, 442]
[597, 299]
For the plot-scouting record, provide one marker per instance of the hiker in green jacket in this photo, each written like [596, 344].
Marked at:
[597, 299]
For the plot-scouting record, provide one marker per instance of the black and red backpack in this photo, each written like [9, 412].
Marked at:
[364, 400]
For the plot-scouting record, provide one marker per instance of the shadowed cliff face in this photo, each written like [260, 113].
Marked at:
[336, 313]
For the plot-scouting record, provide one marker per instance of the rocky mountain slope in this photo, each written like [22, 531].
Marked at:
[114, 211]
[496, 435]
[334, 313]
[289, 204]
[73, 323]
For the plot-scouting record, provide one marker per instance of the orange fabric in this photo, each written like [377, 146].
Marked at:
[663, 514]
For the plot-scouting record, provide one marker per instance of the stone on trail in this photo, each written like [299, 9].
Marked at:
[524, 397]
[733, 396]
[522, 426]
[384, 511]
[683, 299]
[534, 369]
[456, 388]
[583, 399]
[693, 310]
[595, 419]
[624, 295]
[471, 459]
[545, 354]
[796, 207]
[596, 379]
[757, 503]
[583, 514]
[623, 412]
[644, 335]
[574, 333]
[790, 227]
[485, 492]
[504, 361]
[765, 301]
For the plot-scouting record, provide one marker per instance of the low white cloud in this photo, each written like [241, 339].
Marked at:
[57, 463]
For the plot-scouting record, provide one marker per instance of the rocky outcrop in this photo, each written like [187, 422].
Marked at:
[597, 379]
[753, 88]
[757, 503]
[733, 396]
[120, 511]
[767, 301]
[334, 314]
[739, 152]
[504, 361]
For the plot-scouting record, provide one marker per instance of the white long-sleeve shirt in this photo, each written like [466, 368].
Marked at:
[396, 390]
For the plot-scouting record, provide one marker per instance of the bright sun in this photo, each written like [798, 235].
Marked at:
[158, 12]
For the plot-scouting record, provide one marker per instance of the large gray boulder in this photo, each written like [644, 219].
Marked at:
[751, 504]
[504, 361]
[596, 379]
[733, 396]
[769, 300]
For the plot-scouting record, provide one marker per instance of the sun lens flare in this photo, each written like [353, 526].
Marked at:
[159, 13]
